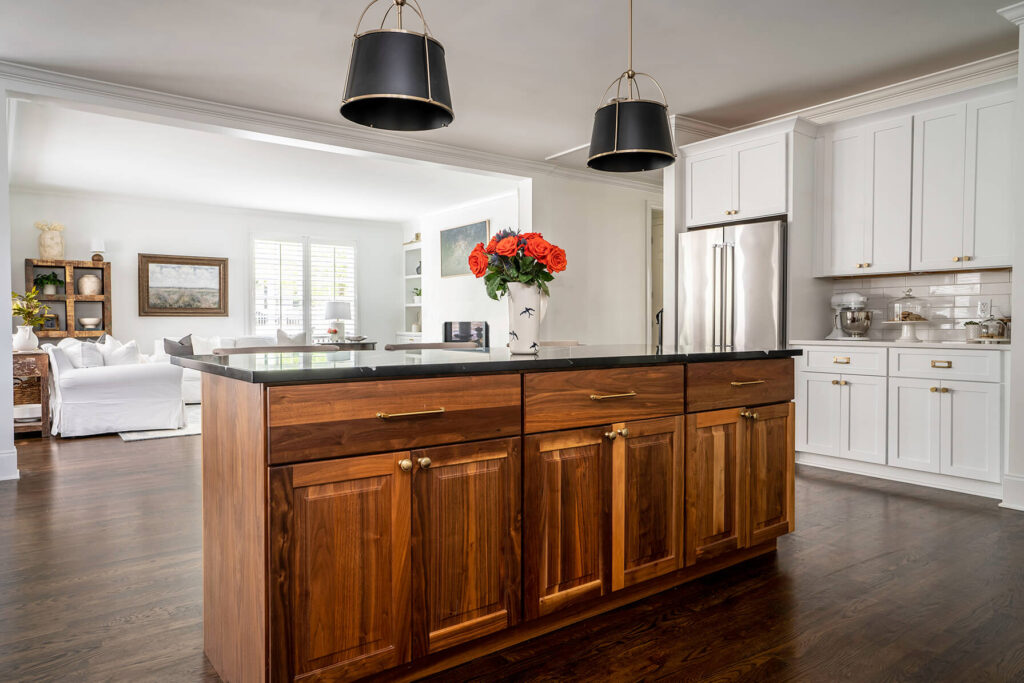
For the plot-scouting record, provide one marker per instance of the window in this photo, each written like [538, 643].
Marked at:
[294, 279]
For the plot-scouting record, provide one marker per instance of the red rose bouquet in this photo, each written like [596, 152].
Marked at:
[512, 256]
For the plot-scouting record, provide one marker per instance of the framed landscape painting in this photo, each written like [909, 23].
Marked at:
[182, 285]
[456, 243]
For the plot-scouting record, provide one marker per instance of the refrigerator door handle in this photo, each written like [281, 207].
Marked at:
[728, 296]
[719, 305]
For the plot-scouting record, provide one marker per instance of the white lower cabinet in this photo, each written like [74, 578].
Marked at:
[948, 427]
[841, 415]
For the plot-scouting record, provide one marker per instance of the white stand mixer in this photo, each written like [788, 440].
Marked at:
[850, 305]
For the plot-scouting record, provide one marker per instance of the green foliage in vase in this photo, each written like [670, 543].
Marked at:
[28, 307]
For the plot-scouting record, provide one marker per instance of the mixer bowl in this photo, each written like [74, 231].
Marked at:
[855, 323]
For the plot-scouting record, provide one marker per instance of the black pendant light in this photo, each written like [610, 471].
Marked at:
[631, 133]
[397, 79]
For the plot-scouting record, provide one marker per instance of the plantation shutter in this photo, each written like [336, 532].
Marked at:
[332, 277]
[278, 294]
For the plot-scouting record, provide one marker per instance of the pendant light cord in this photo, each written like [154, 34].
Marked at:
[629, 57]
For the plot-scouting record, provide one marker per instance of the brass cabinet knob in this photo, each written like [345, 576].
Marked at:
[406, 465]
[843, 382]
[944, 390]
[860, 265]
[835, 381]
[867, 265]
[956, 259]
[968, 258]
[623, 432]
[611, 436]
[933, 389]
[424, 462]
[754, 416]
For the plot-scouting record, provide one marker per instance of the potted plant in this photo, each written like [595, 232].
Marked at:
[973, 328]
[49, 282]
[33, 313]
[520, 265]
[417, 295]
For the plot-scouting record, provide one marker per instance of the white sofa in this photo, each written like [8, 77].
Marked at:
[191, 384]
[113, 398]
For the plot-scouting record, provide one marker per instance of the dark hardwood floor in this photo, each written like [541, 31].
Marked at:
[100, 579]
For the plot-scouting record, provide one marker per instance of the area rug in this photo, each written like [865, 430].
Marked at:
[193, 426]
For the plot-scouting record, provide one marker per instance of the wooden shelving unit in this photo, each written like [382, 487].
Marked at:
[64, 304]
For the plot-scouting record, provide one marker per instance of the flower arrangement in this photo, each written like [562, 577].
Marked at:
[512, 256]
[28, 307]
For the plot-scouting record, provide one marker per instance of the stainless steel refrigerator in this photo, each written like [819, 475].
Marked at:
[731, 281]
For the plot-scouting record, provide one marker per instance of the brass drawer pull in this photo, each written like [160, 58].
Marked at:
[942, 363]
[388, 416]
[604, 397]
[743, 384]
[841, 360]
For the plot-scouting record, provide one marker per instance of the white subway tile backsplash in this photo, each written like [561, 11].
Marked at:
[996, 288]
[954, 289]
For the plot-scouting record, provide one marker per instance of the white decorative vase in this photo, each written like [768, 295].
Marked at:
[526, 308]
[49, 290]
[90, 284]
[51, 241]
[25, 339]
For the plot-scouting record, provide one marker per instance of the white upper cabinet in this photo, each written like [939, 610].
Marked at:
[866, 199]
[988, 198]
[739, 181]
[962, 186]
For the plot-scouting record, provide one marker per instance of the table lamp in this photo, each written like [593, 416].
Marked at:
[97, 247]
[338, 312]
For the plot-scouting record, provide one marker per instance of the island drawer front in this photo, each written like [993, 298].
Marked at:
[976, 366]
[734, 384]
[313, 421]
[849, 360]
[583, 398]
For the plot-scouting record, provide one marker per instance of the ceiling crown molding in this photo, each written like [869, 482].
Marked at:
[1013, 13]
[36, 82]
[689, 130]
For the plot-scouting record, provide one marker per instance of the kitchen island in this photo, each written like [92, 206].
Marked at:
[393, 514]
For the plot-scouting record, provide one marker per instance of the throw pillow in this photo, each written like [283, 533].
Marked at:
[116, 353]
[204, 346]
[81, 354]
[285, 339]
[181, 347]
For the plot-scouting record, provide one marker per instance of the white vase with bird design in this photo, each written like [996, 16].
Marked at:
[526, 308]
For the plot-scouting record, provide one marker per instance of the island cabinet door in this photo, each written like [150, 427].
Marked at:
[715, 483]
[566, 481]
[647, 500]
[465, 542]
[771, 468]
[340, 575]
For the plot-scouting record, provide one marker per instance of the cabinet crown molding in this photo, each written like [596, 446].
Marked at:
[1013, 13]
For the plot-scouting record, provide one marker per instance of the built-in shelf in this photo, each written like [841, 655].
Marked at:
[413, 277]
[413, 305]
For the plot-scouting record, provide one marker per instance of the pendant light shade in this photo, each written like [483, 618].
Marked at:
[397, 79]
[631, 133]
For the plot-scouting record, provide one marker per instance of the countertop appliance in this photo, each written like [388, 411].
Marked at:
[732, 287]
[850, 320]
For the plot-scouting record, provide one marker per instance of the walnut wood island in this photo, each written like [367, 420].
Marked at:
[393, 514]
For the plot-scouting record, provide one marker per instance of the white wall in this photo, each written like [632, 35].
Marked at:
[131, 226]
[8, 455]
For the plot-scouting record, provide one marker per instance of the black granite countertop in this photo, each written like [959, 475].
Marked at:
[273, 368]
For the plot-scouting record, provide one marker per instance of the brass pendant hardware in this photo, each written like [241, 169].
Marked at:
[605, 397]
[388, 416]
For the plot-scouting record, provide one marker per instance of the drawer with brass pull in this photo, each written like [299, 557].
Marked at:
[583, 398]
[849, 360]
[982, 365]
[734, 384]
[313, 421]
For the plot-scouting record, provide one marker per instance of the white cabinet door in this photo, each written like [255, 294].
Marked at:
[988, 196]
[914, 419]
[972, 430]
[862, 434]
[888, 157]
[759, 169]
[843, 203]
[709, 179]
[817, 413]
[937, 217]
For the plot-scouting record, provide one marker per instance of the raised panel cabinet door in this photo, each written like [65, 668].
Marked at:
[465, 542]
[914, 422]
[818, 413]
[862, 434]
[340, 567]
[843, 202]
[715, 483]
[647, 500]
[988, 221]
[937, 212]
[972, 429]
[566, 506]
[888, 160]
[709, 178]
[759, 188]
[771, 468]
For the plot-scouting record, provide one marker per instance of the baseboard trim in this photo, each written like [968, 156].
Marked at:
[1013, 492]
[9, 465]
[904, 476]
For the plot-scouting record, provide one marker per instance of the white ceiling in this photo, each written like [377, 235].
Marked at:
[526, 75]
[59, 148]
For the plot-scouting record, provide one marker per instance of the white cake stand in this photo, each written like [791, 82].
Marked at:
[908, 335]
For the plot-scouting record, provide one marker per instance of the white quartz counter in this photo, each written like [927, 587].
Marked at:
[904, 345]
